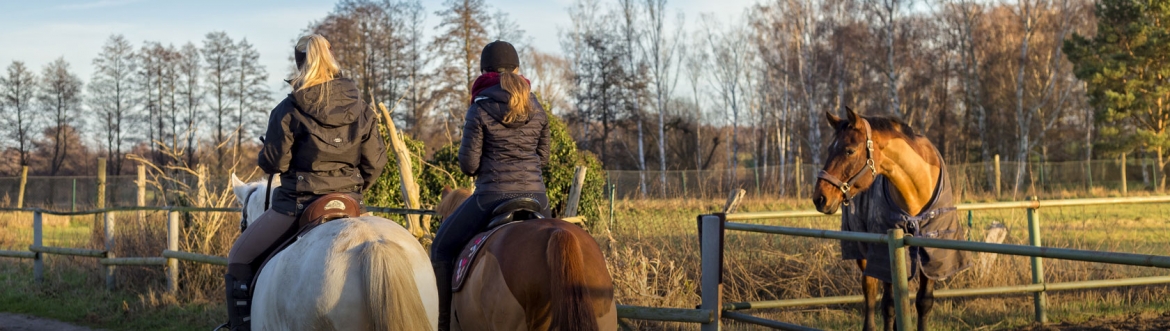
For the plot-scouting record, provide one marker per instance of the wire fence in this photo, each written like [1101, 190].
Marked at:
[976, 179]
[80, 192]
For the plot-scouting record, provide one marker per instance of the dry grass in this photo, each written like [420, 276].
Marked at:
[653, 256]
[654, 261]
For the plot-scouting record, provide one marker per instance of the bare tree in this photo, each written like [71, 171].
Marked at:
[60, 96]
[112, 95]
[729, 48]
[17, 91]
[660, 52]
[889, 13]
[462, 33]
[220, 60]
[251, 93]
[191, 93]
[551, 79]
[632, 36]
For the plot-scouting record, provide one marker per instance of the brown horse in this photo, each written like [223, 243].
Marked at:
[542, 274]
[911, 191]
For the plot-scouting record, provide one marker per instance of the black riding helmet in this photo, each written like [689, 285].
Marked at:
[499, 56]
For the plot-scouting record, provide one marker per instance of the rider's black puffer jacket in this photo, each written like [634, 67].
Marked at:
[505, 158]
[322, 139]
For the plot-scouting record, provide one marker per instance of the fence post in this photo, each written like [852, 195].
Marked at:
[1040, 298]
[1089, 172]
[997, 176]
[38, 259]
[100, 201]
[1124, 181]
[141, 192]
[101, 183]
[575, 192]
[900, 277]
[711, 270]
[797, 179]
[109, 269]
[172, 245]
[23, 184]
[612, 194]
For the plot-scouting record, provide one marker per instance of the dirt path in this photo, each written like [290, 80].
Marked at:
[14, 322]
[1135, 322]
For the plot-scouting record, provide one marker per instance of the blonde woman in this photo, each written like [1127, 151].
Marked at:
[321, 139]
[505, 143]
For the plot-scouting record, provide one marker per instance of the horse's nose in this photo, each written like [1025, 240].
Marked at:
[819, 201]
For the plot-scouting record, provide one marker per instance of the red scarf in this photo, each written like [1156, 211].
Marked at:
[487, 80]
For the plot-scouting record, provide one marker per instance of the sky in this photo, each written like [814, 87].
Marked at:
[38, 32]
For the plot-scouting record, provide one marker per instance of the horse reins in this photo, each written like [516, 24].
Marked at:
[845, 187]
[267, 199]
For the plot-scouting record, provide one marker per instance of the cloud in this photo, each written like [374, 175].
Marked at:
[96, 4]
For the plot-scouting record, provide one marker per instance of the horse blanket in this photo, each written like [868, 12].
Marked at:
[874, 211]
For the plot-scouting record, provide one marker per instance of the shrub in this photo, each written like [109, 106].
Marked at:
[443, 170]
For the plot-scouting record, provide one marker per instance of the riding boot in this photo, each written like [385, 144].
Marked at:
[239, 298]
[443, 275]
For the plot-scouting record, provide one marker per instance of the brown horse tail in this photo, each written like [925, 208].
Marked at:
[572, 309]
[391, 293]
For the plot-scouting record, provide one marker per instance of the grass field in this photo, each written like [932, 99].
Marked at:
[653, 256]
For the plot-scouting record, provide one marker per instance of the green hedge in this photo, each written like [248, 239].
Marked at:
[442, 170]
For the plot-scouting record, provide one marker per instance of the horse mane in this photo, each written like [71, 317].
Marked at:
[895, 128]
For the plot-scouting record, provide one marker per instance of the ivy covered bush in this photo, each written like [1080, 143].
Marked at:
[442, 170]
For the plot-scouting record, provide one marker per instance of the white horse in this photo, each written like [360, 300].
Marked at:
[365, 273]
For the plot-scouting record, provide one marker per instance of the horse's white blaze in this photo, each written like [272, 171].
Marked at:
[317, 283]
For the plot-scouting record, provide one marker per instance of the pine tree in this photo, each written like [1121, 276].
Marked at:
[1124, 67]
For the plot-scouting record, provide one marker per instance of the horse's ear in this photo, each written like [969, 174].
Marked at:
[446, 190]
[236, 182]
[834, 120]
[853, 116]
[240, 189]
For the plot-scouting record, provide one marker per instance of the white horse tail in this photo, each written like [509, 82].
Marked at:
[392, 295]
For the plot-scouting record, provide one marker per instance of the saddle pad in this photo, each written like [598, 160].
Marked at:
[467, 257]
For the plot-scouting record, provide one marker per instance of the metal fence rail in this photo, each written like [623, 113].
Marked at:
[712, 228]
[169, 257]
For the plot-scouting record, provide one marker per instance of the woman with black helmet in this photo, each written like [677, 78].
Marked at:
[505, 144]
[321, 139]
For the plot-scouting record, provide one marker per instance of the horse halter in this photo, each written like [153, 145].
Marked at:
[845, 187]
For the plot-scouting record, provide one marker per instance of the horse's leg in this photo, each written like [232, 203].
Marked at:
[925, 300]
[869, 286]
[888, 306]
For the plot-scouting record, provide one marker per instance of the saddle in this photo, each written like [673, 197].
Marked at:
[507, 213]
[326, 208]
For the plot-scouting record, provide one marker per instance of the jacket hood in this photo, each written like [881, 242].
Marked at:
[494, 101]
[332, 104]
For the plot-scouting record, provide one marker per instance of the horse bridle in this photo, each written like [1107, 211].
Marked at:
[845, 187]
[248, 200]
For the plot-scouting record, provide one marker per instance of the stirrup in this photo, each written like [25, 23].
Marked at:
[223, 326]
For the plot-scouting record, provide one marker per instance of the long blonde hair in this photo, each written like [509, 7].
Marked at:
[518, 87]
[319, 66]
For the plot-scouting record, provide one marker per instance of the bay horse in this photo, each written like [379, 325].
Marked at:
[364, 273]
[888, 176]
[544, 274]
